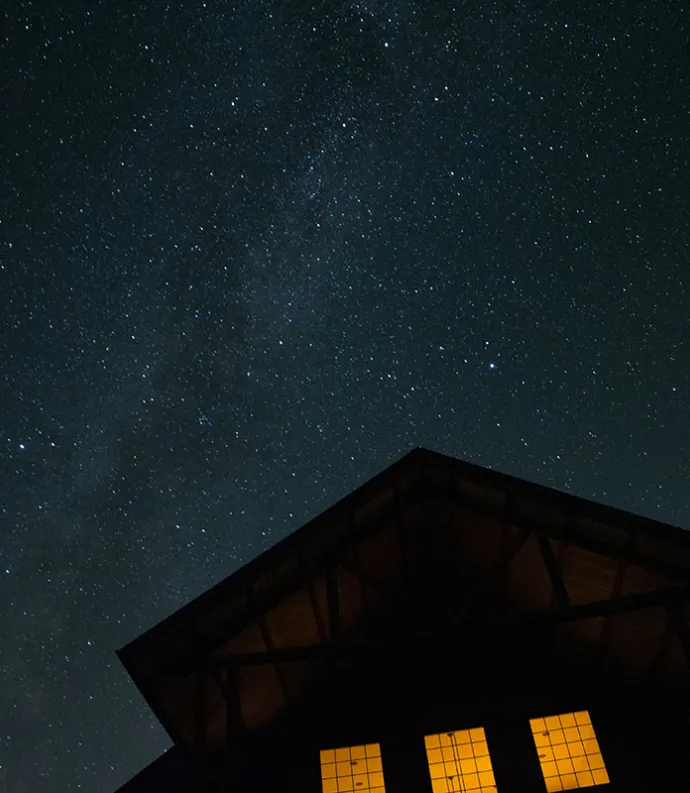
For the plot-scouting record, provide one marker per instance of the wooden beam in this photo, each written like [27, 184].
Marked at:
[573, 536]
[603, 642]
[186, 659]
[271, 646]
[333, 604]
[466, 631]
[234, 719]
[620, 605]
[314, 603]
[318, 616]
[314, 652]
[559, 590]
[190, 655]
[227, 678]
[511, 551]
[363, 577]
[200, 689]
[353, 566]
[270, 643]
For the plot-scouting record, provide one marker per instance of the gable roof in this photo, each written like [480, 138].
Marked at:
[612, 587]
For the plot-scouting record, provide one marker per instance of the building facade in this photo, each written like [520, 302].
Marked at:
[443, 629]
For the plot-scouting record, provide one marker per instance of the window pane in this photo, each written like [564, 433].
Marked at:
[352, 769]
[466, 764]
[568, 751]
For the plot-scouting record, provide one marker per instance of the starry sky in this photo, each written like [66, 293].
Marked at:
[253, 252]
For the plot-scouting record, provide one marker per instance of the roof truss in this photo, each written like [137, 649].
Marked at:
[437, 487]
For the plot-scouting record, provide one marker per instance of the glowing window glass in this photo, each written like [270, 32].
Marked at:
[568, 751]
[352, 769]
[459, 761]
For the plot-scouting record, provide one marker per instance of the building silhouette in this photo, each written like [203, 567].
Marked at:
[444, 628]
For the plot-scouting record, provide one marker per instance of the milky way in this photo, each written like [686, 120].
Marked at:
[251, 254]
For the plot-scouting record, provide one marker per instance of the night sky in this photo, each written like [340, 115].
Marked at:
[252, 253]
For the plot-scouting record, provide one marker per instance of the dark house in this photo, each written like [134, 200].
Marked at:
[443, 629]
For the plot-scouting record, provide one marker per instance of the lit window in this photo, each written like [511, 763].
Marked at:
[355, 769]
[459, 761]
[568, 751]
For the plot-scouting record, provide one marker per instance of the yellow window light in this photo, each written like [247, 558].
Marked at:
[459, 761]
[568, 751]
[352, 769]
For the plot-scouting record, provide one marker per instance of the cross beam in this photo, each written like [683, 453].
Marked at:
[466, 629]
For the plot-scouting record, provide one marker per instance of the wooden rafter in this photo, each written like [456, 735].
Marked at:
[510, 552]
[314, 603]
[228, 681]
[333, 611]
[186, 660]
[271, 646]
[353, 566]
[200, 689]
[183, 647]
[573, 536]
[603, 642]
[553, 570]
[333, 604]
[318, 616]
